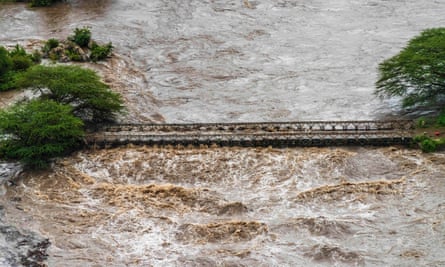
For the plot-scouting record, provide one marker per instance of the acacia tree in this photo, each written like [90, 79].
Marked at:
[417, 73]
[36, 131]
[91, 99]
[14, 62]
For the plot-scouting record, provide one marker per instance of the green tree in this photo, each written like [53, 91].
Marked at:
[12, 63]
[91, 99]
[417, 73]
[36, 131]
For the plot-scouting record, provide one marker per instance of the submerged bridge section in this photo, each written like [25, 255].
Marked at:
[276, 134]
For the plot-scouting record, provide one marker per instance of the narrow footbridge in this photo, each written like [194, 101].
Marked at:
[276, 134]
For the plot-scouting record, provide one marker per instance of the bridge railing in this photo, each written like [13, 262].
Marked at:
[307, 133]
[264, 126]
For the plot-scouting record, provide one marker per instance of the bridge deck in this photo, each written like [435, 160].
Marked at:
[280, 134]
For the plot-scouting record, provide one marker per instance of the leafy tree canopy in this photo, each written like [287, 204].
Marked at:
[37, 131]
[91, 99]
[12, 63]
[417, 73]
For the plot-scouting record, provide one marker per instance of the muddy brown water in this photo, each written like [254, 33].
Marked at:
[239, 60]
[228, 61]
[171, 206]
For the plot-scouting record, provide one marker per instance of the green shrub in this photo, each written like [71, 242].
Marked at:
[36, 57]
[21, 63]
[38, 131]
[8, 81]
[81, 36]
[419, 138]
[50, 44]
[441, 118]
[73, 55]
[54, 56]
[20, 59]
[5, 61]
[7, 77]
[428, 145]
[100, 52]
[17, 51]
[11, 64]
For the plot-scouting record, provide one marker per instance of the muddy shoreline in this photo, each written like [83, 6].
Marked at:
[18, 247]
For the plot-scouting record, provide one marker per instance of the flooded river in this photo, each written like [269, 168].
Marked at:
[239, 60]
[229, 61]
[143, 206]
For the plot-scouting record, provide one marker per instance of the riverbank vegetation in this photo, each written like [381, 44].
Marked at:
[430, 131]
[13, 63]
[34, 3]
[68, 98]
[77, 47]
[91, 99]
[39, 130]
[417, 76]
[53, 124]
[417, 73]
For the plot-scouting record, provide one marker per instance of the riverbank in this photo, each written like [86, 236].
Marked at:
[430, 133]
[18, 246]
